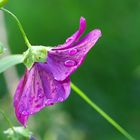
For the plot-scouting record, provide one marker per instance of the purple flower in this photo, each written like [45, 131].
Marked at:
[48, 83]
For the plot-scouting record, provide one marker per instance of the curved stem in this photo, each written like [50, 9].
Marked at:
[8, 121]
[20, 27]
[101, 112]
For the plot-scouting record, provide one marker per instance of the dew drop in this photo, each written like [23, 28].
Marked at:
[70, 63]
[40, 96]
[31, 112]
[49, 102]
[69, 39]
[60, 99]
[73, 51]
[25, 113]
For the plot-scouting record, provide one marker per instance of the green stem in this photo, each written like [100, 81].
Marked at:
[101, 112]
[8, 121]
[20, 27]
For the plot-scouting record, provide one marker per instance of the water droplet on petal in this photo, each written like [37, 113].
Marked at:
[70, 63]
[49, 102]
[69, 39]
[60, 99]
[25, 113]
[73, 51]
[40, 96]
[31, 113]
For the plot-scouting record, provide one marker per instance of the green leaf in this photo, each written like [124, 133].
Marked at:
[2, 2]
[10, 61]
[20, 133]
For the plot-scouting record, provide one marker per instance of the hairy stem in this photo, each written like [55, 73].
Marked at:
[20, 27]
[101, 112]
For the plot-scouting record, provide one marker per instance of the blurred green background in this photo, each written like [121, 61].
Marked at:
[110, 75]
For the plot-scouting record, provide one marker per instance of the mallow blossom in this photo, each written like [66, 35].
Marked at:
[47, 83]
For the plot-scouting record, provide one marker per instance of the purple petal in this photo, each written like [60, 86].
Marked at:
[75, 37]
[17, 97]
[38, 89]
[63, 62]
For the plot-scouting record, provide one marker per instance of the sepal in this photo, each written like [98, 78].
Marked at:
[35, 54]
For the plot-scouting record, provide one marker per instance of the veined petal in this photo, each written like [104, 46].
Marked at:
[17, 98]
[75, 37]
[63, 62]
[38, 89]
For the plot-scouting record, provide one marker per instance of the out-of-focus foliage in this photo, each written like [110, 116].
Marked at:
[1, 48]
[2, 2]
[19, 133]
[110, 75]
